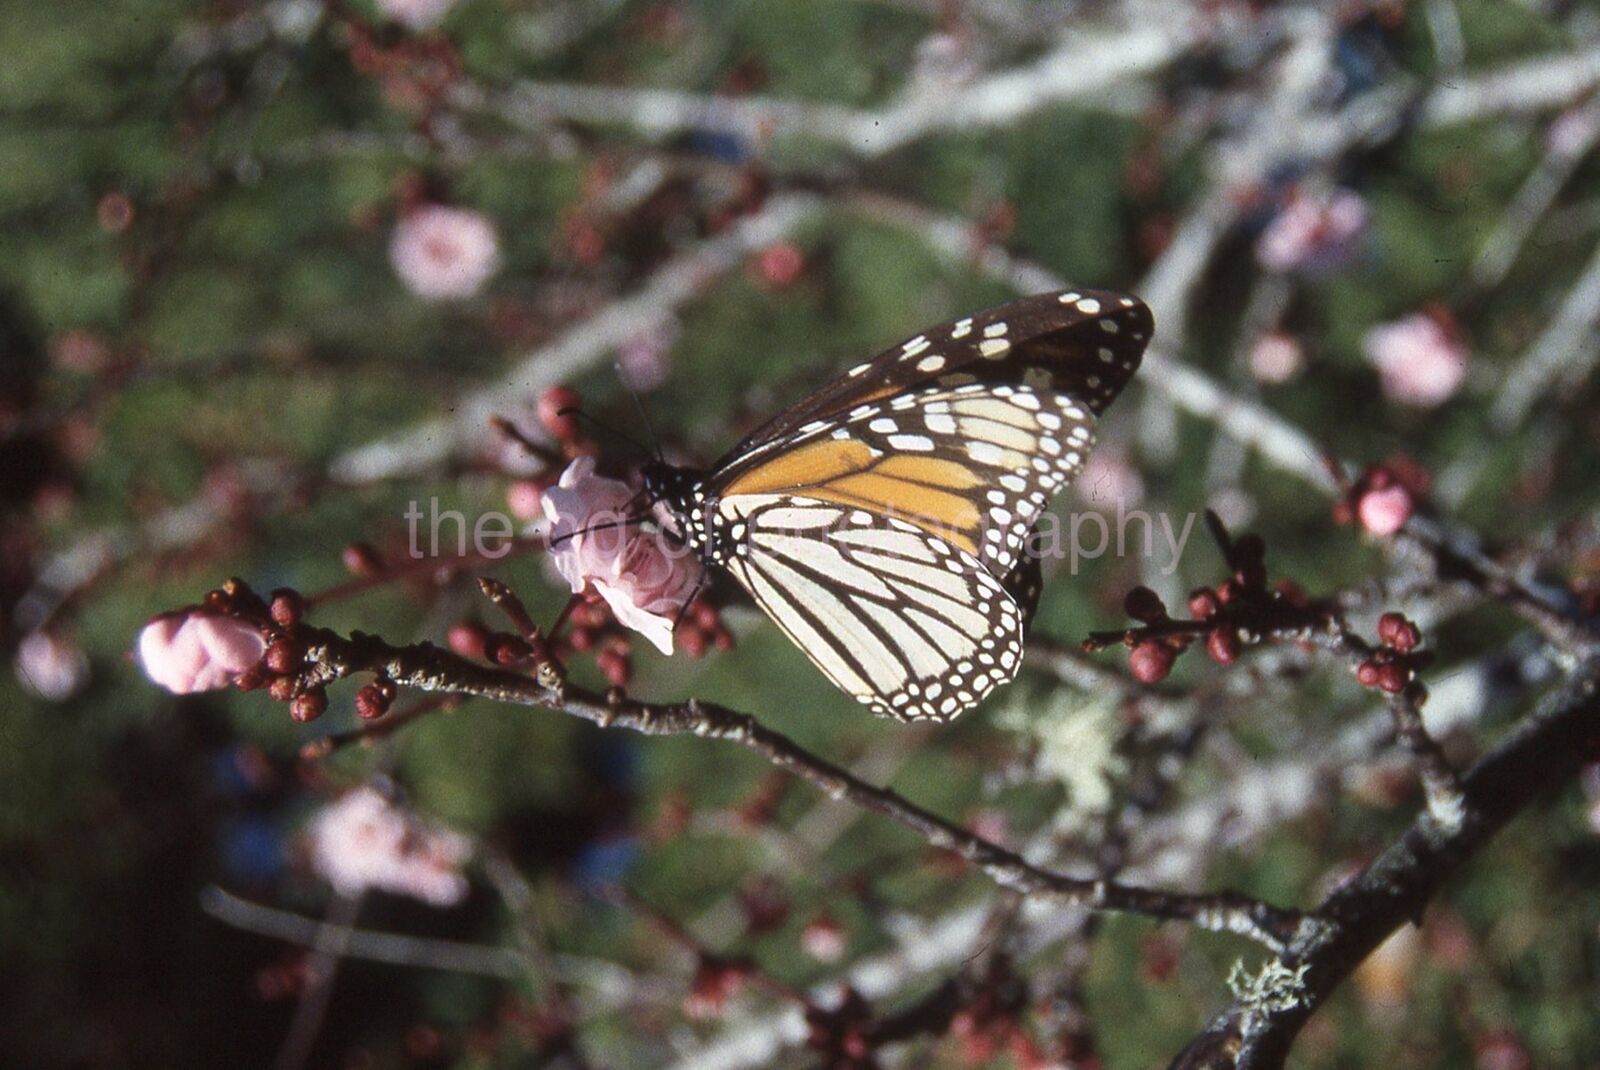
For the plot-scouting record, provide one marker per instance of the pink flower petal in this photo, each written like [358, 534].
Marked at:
[644, 579]
[198, 651]
[444, 253]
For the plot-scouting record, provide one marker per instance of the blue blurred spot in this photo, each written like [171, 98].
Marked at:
[719, 145]
[605, 860]
[615, 760]
[252, 849]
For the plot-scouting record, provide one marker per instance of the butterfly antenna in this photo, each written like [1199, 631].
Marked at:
[644, 417]
[626, 521]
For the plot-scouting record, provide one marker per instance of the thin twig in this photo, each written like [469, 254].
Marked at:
[428, 668]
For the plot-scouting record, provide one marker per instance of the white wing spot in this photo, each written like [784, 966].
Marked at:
[930, 363]
[993, 347]
[915, 346]
[994, 330]
[920, 443]
[962, 329]
[1089, 306]
[1070, 298]
[1110, 326]
[883, 426]
[859, 369]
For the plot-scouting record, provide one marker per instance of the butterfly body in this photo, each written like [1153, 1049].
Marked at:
[882, 521]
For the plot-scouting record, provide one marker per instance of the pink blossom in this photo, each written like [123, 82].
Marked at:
[1276, 357]
[364, 841]
[198, 650]
[644, 358]
[416, 14]
[824, 939]
[50, 667]
[443, 253]
[1384, 510]
[1313, 233]
[1421, 360]
[643, 578]
[1109, 480]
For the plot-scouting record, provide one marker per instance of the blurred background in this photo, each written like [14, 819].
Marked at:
[269, 268]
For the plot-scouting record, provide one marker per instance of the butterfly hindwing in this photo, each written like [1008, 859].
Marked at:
[908, 624]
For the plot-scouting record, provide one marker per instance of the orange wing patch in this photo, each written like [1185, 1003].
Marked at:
[919, 490]
[807, 466]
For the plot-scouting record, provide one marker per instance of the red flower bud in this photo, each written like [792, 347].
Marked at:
[284, 656]
[468, 638]
[1203, 603]
[1145, 605]
[288, 607]
[557, 407]
[361, 560]
[308, 706]
[370, 703]
[1393, 678]
[1223, 645]
[1398, 632]
[505, 649]
[1151, 661]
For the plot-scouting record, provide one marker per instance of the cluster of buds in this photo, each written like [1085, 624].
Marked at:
[1383, 497]
[285, 659]
[282, 669]
[1241, 609]
[590, 628]
[1394, 663]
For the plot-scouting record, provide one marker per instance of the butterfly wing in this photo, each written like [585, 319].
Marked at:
[881, 520]
[908, 624]
[1086, 344]
[974, 464]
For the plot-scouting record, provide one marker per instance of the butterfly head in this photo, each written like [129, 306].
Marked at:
[682, 492]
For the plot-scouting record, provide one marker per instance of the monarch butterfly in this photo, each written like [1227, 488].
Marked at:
[882, 520]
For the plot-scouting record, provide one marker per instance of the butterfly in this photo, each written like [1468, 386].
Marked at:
[883, 520]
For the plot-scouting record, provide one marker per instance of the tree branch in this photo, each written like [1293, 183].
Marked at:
[1545, 750]
[429, 668]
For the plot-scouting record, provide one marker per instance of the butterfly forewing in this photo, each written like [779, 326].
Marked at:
[1084, 343]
